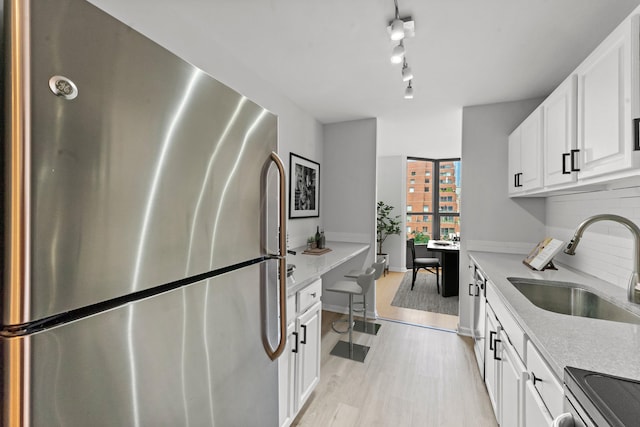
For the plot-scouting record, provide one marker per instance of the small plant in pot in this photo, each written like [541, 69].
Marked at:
[387, 225]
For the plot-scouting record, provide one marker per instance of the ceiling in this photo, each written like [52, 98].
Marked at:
[331, 57]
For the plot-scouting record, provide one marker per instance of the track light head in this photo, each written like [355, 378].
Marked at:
[397, 29]
[407, 74]
[397, 54]
[408, 92]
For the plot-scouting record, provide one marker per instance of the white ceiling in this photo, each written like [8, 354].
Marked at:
[331, 57]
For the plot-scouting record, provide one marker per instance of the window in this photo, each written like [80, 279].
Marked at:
[433, 211]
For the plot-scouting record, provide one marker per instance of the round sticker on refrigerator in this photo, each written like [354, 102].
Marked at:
[63, 87]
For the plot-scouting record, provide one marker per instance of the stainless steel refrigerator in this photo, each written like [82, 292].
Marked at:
[144, 230]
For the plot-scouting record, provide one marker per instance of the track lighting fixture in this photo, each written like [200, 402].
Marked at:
[407, 74]
[408, 92]
[399, 30]
[397, 54]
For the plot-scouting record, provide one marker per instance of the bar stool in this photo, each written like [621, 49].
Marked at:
[364, 326]
[348, 349]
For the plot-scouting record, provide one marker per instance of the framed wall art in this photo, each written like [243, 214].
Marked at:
[304, 188]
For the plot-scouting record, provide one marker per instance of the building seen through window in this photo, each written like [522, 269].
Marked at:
[433, 211]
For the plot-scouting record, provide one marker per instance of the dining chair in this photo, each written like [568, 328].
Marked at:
[432, 265]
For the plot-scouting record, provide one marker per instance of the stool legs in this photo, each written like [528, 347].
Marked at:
[348, 349]
[364, 326]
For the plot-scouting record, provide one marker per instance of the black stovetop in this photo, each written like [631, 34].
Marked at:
[605, 398]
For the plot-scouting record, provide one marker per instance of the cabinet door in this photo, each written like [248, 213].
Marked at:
[308, 369]
[535, 413]
[559, 134]
[512, 376]
[515, 167]
[531, 151]
[491, 373]
[607, 98]
[286, 380]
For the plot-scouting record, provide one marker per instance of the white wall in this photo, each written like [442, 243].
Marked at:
[606, 249]
[298, 132]
[349, 199]
[435, 135]
[489, 219]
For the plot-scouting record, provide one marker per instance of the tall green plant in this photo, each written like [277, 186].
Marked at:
[387, 225]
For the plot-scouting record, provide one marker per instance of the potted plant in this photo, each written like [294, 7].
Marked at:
[386, 226]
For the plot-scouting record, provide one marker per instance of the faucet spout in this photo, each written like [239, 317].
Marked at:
[633, 290]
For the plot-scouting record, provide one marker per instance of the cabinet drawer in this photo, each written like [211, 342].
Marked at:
[309, 296]
[549, 387]
[508, 323]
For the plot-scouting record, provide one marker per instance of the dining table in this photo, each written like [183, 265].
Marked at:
[450, 259]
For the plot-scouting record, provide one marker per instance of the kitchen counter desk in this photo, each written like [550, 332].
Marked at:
[311, 267]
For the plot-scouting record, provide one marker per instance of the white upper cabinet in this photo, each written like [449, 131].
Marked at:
[525, 155]
[515, 168]
[607, 103]
[559, 134]
[589, 124]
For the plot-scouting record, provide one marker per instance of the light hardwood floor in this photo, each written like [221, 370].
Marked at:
[412, 376]
[386, 287]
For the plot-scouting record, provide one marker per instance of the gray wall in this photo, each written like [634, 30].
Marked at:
[348, 177]
[490, 220]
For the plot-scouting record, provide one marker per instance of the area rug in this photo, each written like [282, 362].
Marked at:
[424, 295]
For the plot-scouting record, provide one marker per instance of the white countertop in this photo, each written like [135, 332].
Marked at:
[592, 344]
[311, 267]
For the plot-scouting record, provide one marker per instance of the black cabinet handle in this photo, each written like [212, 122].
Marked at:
[495, 350]
[636, 134]
[519, 184]
[304, 329]
[515, 180]
[564, 163]
[470, 285]
[574, 162]
[295, 349]
[535, 379]
[491, 334]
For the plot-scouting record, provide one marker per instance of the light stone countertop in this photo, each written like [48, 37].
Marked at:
[563, 340]
[311, 267]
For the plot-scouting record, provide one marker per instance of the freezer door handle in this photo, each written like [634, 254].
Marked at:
[274, 353]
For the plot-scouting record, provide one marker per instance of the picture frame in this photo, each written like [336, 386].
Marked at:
[304, 187]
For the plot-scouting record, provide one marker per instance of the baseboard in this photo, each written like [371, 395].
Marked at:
[466, 332]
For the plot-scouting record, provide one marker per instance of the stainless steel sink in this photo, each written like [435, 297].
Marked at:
[568, 298]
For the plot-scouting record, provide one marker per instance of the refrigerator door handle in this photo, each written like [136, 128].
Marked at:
[282, 266]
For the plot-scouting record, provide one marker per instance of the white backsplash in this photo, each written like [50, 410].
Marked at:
[606, 249]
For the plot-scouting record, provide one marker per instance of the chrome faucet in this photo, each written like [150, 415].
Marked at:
[633, 290]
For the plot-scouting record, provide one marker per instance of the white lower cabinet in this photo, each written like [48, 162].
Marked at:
[491, 371]
[523, 391]
[513, 376]
[308, 368]
[535, 411]
[299, 365]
